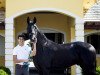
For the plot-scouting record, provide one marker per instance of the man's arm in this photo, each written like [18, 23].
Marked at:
[17, 60]
[33, 53]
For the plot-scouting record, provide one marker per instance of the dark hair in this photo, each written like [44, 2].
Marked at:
[21, 35]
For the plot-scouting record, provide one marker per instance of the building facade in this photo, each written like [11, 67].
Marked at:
[53, 17]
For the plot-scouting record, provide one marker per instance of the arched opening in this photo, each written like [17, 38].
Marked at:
[94, 39]
[48, 22]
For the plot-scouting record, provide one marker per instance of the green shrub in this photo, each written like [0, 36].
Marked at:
[4, 71]
[98, 70]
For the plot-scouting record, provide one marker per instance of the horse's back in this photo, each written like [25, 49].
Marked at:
[72, 53]
[64, 56]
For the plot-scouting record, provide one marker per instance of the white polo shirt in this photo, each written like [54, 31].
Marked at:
[22, 52]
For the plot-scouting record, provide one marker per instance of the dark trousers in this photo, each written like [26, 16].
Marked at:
[21, 69]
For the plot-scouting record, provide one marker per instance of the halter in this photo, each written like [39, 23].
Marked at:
[32, 41]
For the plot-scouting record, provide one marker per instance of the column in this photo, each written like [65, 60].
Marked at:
[79, 36]
[79, 30]
[9, 44]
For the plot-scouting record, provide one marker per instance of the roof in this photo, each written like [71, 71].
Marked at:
[93, 14]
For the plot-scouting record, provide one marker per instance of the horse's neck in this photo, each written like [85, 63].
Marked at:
[41, 38]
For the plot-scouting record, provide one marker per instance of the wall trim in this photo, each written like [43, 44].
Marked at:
[92, 32]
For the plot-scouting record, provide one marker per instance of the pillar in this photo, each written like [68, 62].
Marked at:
[9, 44]
[79, 36]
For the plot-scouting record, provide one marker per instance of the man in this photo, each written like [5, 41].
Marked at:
[21, 56]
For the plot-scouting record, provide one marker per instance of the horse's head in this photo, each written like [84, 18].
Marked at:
[32, 29]
[34, 33]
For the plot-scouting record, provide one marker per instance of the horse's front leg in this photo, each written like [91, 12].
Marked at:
[40, 72]
[46, 71]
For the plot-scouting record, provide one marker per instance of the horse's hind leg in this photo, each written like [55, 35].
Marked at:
[88, 66]
[88, 70]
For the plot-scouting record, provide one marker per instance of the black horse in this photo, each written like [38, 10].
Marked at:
[52, 56]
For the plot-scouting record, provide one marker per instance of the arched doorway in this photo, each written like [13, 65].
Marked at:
[56, 26]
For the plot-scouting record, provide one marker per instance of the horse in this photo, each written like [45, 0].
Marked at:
[52, 56]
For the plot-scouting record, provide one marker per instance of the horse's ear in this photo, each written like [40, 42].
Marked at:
[28, 19]
[34, 20]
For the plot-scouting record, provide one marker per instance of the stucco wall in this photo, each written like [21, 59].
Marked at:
[15, 6]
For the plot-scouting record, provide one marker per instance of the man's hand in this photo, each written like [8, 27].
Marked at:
[33, 53]
[35, 40]
[19, 60]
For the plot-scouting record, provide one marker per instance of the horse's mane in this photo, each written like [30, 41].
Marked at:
[42, 36]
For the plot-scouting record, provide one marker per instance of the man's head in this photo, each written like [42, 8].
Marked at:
[21, 39]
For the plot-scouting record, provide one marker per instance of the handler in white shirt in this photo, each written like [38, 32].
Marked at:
[20, 56]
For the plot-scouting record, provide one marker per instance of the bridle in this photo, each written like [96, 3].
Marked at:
[32, 30]
[33, 40]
